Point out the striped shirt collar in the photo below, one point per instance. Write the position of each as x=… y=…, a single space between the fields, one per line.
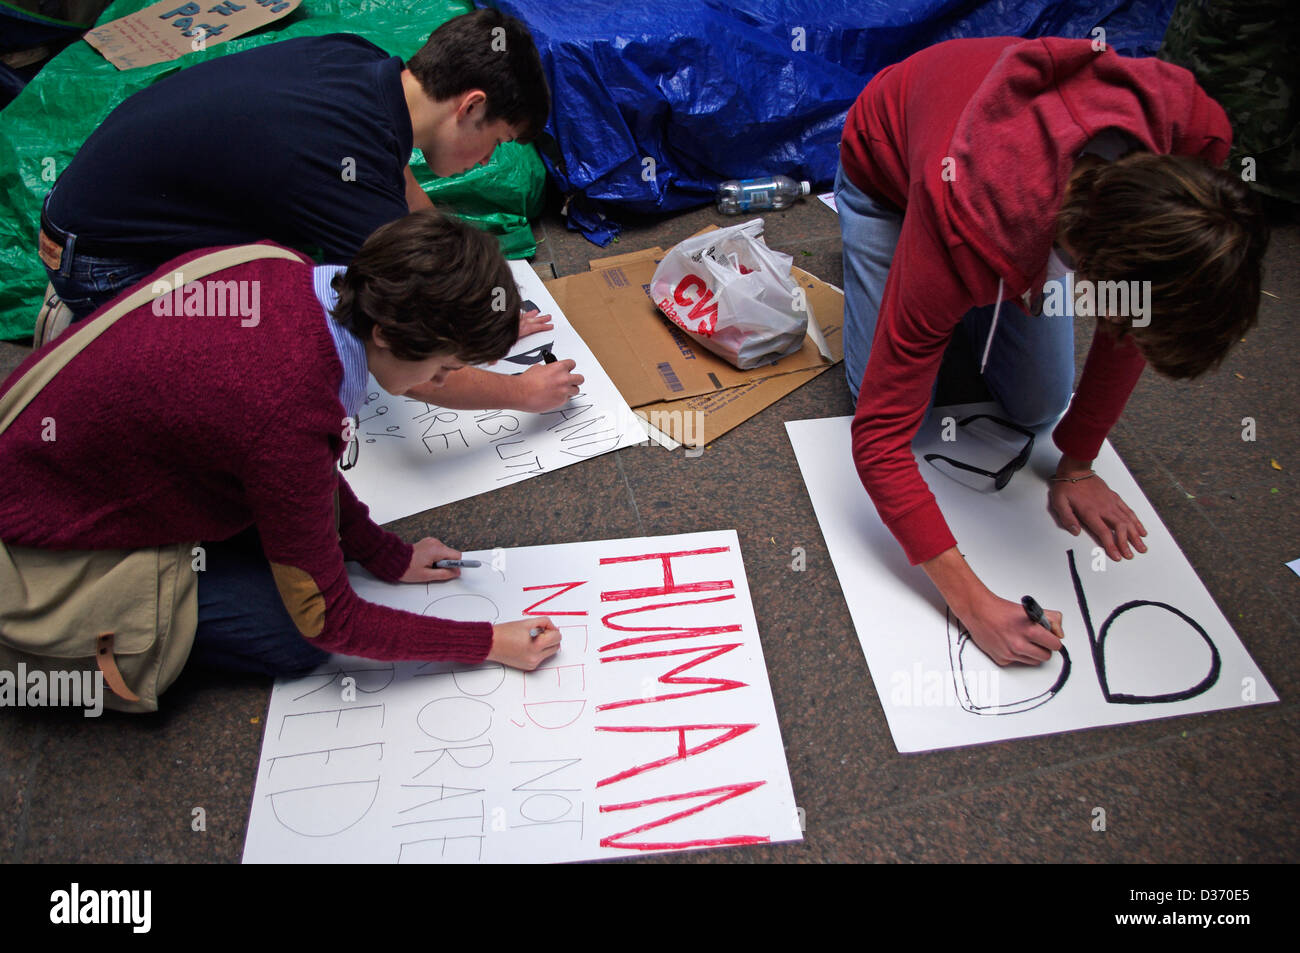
x=352 y=353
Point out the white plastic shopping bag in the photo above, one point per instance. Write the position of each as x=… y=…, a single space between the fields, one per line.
x=734 y=295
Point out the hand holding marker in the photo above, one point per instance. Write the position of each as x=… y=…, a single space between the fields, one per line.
x=1035 y=612
x=525 y=643
x=1039 y=615
x=475 y=564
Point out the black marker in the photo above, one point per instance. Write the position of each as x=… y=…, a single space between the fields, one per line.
x=457 y=563
x=548 y=357
x=1035 y=612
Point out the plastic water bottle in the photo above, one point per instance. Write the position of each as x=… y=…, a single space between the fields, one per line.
x=770 y=191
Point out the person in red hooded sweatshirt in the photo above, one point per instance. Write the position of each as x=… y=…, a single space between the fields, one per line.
x=979 y=180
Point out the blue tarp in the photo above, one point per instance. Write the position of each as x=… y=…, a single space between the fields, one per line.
x=709 y=90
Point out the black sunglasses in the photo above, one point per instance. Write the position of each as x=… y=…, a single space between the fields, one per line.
x=352 y=449
x=1000 y=477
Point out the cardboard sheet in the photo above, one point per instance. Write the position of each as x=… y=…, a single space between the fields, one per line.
x=684 y=390
x=174 y=28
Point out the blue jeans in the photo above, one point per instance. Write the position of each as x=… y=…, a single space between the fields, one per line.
x=92 y=282
x=1030 y=370
x=84 y=282
x=243 y=624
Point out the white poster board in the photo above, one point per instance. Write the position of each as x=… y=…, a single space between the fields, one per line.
x=651 y=730
x=414 y=456
x=1159 y=644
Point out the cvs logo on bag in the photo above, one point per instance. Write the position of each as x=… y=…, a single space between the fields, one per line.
x=703 y=314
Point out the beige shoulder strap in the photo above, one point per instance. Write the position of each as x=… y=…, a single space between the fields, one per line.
x=16 y=399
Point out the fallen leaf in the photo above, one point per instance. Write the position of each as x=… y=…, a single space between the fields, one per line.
x=1276 y=465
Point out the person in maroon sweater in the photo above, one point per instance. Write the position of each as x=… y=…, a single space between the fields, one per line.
x=229 y=429
x=974 y=176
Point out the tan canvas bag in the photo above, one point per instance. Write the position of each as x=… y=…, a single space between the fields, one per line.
x=128 y=613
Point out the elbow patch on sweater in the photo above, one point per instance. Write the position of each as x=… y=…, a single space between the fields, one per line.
x=305 y=602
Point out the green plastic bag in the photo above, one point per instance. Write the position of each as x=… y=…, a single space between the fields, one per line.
x=42 y=129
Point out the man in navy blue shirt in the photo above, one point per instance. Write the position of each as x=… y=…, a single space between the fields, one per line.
x=307 y=142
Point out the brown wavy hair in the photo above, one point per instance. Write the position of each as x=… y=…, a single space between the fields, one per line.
x=434 y=285
x=1196 y=233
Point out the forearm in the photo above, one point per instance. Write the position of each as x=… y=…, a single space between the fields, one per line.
x=1110 y=374
x=381 y=552
x=471 y=388
x=955 y=580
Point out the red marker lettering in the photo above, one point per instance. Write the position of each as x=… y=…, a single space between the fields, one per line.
x=683 y=752
x=670 y=587
x=663 y=632
x=563 y=587
x=670 y=678
x=731 y=791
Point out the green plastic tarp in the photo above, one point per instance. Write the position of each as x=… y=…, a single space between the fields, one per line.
x=41 y=130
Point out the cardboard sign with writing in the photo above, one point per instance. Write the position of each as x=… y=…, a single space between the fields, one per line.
x=173 y=28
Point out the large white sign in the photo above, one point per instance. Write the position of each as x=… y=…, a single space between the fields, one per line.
x=414 y=456
x=1143 y=637
x=651 y=730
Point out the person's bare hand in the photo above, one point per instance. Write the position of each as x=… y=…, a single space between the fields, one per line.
x=533 y=322
x=427 y=552
x=548 y=386
x=1006 y=634
x=514 y=645
x=1094 y=506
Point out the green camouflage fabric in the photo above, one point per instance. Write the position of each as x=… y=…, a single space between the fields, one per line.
x=1246 y=54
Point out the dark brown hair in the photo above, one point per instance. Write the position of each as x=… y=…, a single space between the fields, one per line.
x=433 y=285
x=491 y=51
x=1196 y=233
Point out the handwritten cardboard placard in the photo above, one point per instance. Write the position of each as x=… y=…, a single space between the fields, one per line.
x=652 y=730
x=173 y=28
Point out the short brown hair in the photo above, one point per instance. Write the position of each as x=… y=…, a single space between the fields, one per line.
x=433 y=285
x=1196 y=233
x=491 y=51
